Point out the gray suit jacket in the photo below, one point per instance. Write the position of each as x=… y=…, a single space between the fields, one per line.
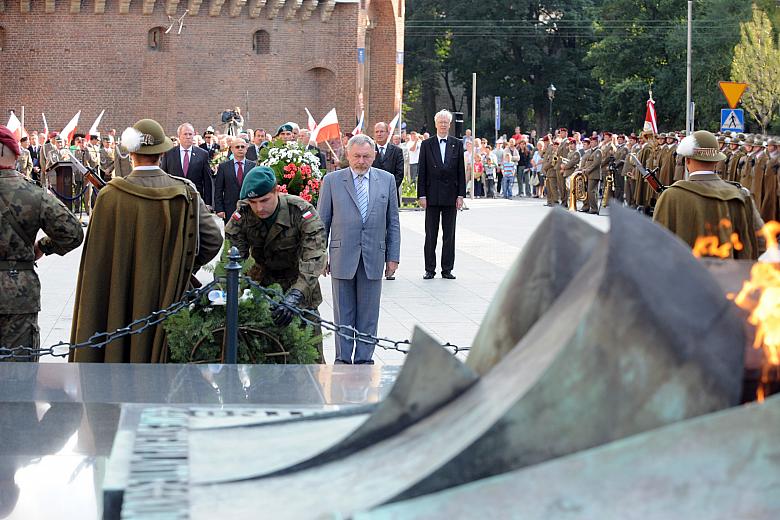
x=378 y=240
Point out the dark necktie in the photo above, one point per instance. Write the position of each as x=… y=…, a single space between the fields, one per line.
x=381 y=153
x=186 y=166
x=240 y=173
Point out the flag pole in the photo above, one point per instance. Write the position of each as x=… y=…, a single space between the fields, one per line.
x=473 y=129
x=688 y=120
x=22 y=130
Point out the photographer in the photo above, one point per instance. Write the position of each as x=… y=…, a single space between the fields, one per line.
x=234 y=121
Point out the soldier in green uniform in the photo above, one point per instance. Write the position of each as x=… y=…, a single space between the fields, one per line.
x=591 y=167
x=24 y=209
x=24 y=164
x=286 y=238
x=107 y=158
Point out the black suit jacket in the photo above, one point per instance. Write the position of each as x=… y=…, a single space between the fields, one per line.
x=226 y=188
x=319 y=153
x=393 y=162
x=35 y=155
x=212 y=151
x=199 y=172
x=251 y=152
x=441 y=183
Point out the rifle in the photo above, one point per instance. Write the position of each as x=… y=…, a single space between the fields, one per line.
x=90 y=175
x=649 y=175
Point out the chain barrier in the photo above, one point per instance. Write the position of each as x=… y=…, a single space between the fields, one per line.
x=311 y=317
x=101 y=339
x=193 y=296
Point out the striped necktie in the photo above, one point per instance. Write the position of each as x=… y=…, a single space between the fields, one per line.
x=362 y=196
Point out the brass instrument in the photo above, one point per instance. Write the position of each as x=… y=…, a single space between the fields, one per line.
x=609 y=183
x=578 y=191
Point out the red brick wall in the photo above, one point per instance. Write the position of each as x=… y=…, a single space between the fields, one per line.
x=60 y=63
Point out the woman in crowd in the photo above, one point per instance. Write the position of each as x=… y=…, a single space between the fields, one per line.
x=536 y=166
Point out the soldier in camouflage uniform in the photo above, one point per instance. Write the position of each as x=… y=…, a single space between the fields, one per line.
x=286 y=238
x=107 y=158
x=24 y=209
x=24 y=163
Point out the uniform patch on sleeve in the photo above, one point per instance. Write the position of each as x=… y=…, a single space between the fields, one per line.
x=307 y=215
x=236 y=216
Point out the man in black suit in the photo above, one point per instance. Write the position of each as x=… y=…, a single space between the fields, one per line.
x=209 y=143
x=441 y=187
x=253 y=152
x=389 y=157
x=230 y=177
x=190 y=162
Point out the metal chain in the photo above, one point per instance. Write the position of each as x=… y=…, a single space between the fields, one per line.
x=101 y=339
x=350 y=333
x=274 y=297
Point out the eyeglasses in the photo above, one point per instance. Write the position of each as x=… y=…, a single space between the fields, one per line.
x=239 y=146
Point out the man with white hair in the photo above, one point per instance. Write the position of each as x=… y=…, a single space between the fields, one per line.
x=441 y=187
x=703 y=204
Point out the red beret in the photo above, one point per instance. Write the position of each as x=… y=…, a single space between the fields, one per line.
x=563 y=129
x=52 y=135
x=546 y=138
x=8 y=139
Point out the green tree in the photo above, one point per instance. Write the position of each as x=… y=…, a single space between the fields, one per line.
x=757 y=63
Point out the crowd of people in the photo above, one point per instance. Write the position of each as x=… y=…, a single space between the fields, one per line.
x=167 y=192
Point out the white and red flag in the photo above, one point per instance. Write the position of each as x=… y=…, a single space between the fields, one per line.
x=327 y=129
x=15 y=126
x=359 y=128
x=650 y=120
x=395 y=122
x=70 y=129
x=311 y=123
x=93 y=130
x=45 y=125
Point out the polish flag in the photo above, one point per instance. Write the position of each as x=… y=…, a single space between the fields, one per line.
x=15 y=126
x=327 y=129
x=93 y=130
x=311 y=123
x=70 y=129
x=395 y=122
x=359 y=128
x=45 y=125
x=650 y=121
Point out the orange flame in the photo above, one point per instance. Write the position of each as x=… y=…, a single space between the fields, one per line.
x=761 y=297
x=709 y=245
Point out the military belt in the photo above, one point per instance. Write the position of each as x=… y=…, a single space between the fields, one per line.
x=13 y=265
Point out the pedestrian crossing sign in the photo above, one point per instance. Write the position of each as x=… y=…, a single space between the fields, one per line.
x=732 y=119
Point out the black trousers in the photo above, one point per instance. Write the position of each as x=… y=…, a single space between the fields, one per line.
x=445 y=214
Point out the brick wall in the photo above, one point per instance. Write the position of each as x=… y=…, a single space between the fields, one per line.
x=62 y=62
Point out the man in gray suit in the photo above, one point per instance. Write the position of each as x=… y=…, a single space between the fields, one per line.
x=359 y=209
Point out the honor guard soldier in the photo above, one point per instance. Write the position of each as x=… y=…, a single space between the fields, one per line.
x=591 y=168
x=697 y=206
x=24 y=163
x=107 y=158
x=24 y=209
x=286 y=238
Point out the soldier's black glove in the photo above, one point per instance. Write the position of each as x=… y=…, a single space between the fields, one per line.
x=282 y=315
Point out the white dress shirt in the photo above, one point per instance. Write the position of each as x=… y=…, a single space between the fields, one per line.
x=442 y=146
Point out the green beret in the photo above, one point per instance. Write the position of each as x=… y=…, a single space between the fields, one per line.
x=258 y=182
x=284 y=128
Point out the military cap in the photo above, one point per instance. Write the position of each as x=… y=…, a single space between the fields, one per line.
x=621 y=136
x=287 y=127
x=258 y=182
x=58 y=138
x=52 y=135
x=563 y=129
x=546 y=138
x=701 y=146
x=349 y=135
x=772 y=142
x=633 y=136
x=208 y=131
x=586 y=139
x=8 y=139
x=106 y=138
x=661 y=136
x=146 y=137
x=721 y=138
x=94 y=136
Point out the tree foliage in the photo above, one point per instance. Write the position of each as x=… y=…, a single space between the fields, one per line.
x=602 y=55
x=757 y=62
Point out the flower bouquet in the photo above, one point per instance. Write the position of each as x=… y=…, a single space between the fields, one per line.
x=297 y=170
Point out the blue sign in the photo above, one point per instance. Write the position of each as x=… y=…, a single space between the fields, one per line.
x=732 y=119
x=361 y=55
x=498 y=113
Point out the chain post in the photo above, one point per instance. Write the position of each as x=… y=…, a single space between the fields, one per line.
x=233 y=270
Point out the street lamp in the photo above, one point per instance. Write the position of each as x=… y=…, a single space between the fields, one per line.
x=551 y=95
